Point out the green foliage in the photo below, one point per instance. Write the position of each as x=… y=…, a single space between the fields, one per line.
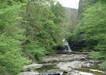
x=93 y=26
x=44 y=24
x=104 y=65
x=92 y=30
x=11 y=59
x=35 y=50
x=43 y=27
x=76 y=40
x=58 y=12
x=97 y=55
x=28 y=28
x=11 y=38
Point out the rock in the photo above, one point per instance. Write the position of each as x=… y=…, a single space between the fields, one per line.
x=65 y=66
x=92 y=61
x=97 y=71
x=63 y=57
x=34 y=65
x=74 y=72
x=68 y=66
x=62 y=64
x=53 y=72
x=29 y=73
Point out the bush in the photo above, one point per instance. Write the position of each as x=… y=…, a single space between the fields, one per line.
x=35 y=51
x=103 y=66
x=11 y=59
x=97 y=55
x=76 y=41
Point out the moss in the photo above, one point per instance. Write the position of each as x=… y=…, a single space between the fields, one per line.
x=29 y=69
x=64 y=73
x=95 y=67
x=45 y=68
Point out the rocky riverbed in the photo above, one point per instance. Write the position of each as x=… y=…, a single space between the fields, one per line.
x=64 y=64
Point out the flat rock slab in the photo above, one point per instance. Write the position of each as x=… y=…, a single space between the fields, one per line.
x=79 y=73
x=68 y=66
x=94 y=70
x=52 y=72
x=63 y=57
x=29 y=73
x=34 y=65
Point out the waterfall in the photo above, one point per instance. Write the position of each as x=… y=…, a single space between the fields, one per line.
x=67 y=47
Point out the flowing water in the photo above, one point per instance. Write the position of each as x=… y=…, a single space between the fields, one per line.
x=67 y=46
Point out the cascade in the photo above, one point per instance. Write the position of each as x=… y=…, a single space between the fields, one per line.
x=67 y=47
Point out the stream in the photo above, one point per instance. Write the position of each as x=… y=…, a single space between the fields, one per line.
x=64 y=64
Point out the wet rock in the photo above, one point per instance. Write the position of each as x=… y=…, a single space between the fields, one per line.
x=68 y=66
x=53 y=72
x=74 y=72
x=29 y=73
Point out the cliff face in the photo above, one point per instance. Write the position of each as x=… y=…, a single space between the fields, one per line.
x=71 y=14
x=71 y=17
x=81 y=6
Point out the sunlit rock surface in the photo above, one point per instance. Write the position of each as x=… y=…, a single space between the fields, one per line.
x=34 y=65
x=63 y=57
x=68 y=66
x=53 y=72
x=29 y=73
x=63 y=64
x=94 y=70
x=79 y=73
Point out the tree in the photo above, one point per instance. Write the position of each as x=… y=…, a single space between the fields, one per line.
x=92 y=28
x=43 y=26
x=11 y=38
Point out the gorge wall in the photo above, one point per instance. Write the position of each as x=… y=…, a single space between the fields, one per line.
x=71 y=17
